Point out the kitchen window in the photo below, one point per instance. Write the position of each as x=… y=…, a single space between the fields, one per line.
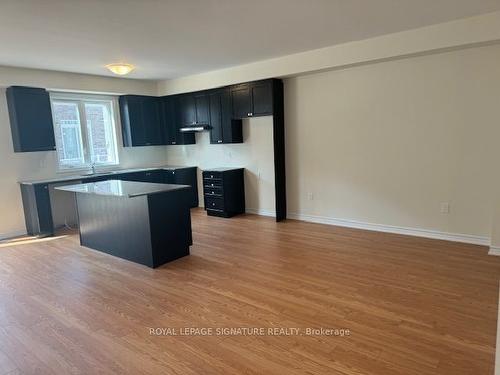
x=84 y=128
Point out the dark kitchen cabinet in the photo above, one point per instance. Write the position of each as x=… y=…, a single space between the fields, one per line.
x=37 y=209
x=224 y=192
x=215 y=103
x=30 y=119
x=202 y=115
x=252 y=99
x=187 y=110
x=172 y=135
x=154 y=176
x=241 y=99
x=184 y=176
x=174 y=175
x=193 y=109
x=262 y=98
x=224 y=129
x=152 y=121
x=141 y=121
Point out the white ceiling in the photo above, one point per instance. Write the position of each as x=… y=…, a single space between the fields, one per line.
x=172 y=38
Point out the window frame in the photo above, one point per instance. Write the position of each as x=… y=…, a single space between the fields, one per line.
x=81 y=99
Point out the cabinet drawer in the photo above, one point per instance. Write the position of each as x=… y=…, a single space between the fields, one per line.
x=213 y=191
x=208 y=175
x=212 y=203
x=208 y=183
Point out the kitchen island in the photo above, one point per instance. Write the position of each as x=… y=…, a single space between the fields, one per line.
x=146 y=223
x=41 y=207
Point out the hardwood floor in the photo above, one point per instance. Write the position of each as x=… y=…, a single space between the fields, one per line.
x=412 y=305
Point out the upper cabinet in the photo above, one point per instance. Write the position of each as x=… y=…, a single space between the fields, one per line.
x=141 y=121
x=170 y=124
x=193 y=109
x=201 y=102
x=224 y=129
x=30 y=119
x=252 y=99
x=148 y=120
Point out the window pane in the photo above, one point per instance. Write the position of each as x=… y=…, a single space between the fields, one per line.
x=100 y=132
x=68 y=133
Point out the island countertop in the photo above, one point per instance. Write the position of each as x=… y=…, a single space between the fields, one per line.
x=118 y=188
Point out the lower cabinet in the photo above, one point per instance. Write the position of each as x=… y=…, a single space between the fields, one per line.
x=224 y=192
x=37 y=209
x=155 y=176
x=184 y=176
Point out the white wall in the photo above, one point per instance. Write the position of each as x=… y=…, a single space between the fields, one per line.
x=387 y=143
x=255 y=155
x=27 y=166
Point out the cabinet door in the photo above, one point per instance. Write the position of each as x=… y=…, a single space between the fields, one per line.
x=151 y=120
x=155 y=176
x=202 y=115
x=169 y=177
x=188 y=176
x=44 y=209
x=30 y=119
x=241 y=99
x=131 y=114
x=168 y=117
x=133 y=176
x=216 y=135
x=187 y=110
x=231 y=128
x=262 y=98
x=141 y=122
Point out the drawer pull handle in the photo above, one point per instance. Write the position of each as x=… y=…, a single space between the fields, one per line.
x=250 y=114
x=212 y=185
x=211 y=176
x=213 y=204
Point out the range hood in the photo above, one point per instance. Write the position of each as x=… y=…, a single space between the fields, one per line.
x=195 y=128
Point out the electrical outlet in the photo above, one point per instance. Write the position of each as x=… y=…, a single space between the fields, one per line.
x=445 y=208
x=310 y=196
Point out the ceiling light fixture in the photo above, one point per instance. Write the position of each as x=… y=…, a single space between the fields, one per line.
x=120 y=68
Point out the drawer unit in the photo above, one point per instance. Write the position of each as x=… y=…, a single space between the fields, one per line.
x=224 y=191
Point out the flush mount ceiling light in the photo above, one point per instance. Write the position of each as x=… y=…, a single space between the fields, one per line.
x=120 y=68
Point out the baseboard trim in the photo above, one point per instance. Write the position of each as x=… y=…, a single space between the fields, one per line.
x=417 y=232
x=256 y=211
x=494 y=250
x=8 y=235
x=497 y=347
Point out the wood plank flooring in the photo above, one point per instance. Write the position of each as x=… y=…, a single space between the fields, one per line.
x=412 y=305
